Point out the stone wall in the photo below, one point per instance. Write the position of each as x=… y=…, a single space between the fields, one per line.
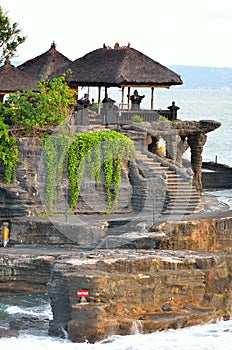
x=207 y=234
x=216 y=180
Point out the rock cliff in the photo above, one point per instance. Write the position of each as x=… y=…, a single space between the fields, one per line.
x=155 y=290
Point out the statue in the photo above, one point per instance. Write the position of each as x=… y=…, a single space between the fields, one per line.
x=107 y=99
x=136 y=100
x=83 y=102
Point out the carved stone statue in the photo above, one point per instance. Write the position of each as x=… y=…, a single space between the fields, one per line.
x=84 y=101
x=136 y=100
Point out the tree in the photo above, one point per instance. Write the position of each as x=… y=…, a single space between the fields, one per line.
x=32 y=111
x=10 y=37
x=47 y=108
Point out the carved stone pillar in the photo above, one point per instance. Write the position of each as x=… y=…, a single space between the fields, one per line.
x=171 y=146
x=196 y=143
x=182 y=147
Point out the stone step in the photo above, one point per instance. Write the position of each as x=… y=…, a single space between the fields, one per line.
x=183 y=201
x=172 y=184
x=181 y=207
x=160 y=169
x=181 y=212
x=182 y=197
x=148 y=160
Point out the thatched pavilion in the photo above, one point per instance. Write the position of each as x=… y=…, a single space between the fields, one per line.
x=119 y=67
x=12 y=79
x=45 y=64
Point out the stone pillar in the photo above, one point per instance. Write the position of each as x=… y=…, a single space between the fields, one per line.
x=196 y=143
x=171 y=146
x=182 y=147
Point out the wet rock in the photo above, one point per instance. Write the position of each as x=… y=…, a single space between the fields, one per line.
x=6 y=333
x=21 y=323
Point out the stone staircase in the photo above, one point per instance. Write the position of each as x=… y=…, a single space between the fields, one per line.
x=181 y=196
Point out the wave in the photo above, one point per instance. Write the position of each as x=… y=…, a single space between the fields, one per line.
x=215 y=336
x=35 y=311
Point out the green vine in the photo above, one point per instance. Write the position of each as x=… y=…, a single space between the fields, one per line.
x=50 y=106
x=95 y=153
x=8 y=153
x=55 y=153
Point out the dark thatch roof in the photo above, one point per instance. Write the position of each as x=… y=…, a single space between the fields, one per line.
x=119 y=67
x=12 y=79
x=42 y=66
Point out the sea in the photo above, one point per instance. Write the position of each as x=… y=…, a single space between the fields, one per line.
x=194 y=104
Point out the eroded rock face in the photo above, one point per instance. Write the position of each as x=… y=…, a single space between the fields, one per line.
x=158 y=290
x=24 y=274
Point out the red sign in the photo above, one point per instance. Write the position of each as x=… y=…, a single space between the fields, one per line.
x=83 y=293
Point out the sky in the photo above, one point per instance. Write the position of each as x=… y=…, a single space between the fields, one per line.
x=172 y=32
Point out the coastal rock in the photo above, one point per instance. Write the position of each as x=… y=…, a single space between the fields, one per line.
x=23 y=323
x=158 y=289
x=6 y=333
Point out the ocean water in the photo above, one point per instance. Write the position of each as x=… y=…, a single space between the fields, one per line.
x=194 y=105
x=201 y=105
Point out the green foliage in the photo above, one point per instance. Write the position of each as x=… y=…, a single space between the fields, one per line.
x=95 y=152
x=55 y=151
x=10 y=37
x=48 y=107
x=8 y=152
x=95 y=105
x=161 y=117
x=137 y=118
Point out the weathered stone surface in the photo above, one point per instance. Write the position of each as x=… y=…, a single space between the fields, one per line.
x=212 y=233
x=166 y=289
x=23 y=323
x=185 y=280
x=58 y=231
x=207 y=235
x=24 y=274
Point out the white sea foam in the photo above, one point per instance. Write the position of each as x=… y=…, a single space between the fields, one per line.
x=216 y=336
x=32 y=311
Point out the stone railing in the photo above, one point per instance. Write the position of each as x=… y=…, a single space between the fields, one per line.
x=110 y=114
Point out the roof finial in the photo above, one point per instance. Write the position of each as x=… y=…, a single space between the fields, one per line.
x=53 y=45
x=116 y=45
x=7 y=61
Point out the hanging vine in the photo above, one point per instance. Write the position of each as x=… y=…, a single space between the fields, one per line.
x=92 y=152
x=55 y=155
x=8 y=152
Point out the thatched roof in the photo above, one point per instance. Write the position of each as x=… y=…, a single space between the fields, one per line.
x=12 y=79
x=42 y=66
x=119 y=67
